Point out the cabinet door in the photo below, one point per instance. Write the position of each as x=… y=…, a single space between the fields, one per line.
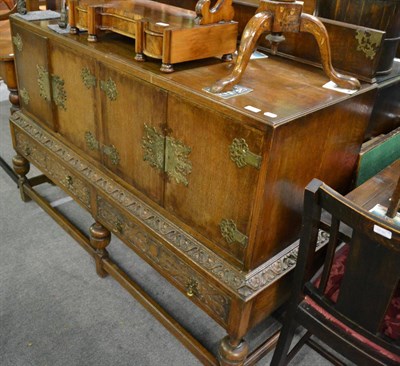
x=31 y=55
x=76 y=83
x=219 y=194
x=129 y=106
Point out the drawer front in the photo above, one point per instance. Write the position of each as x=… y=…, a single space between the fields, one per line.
x=42 y=159
x=34 y=78
x=197 y=288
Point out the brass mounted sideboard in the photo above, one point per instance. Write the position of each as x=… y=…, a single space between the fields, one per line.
x=206 y=190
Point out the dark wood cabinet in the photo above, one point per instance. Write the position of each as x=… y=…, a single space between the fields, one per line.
x=207 y=190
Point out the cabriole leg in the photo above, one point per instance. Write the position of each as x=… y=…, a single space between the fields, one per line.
x=99 y=239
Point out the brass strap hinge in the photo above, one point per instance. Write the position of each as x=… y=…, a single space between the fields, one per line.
x=110 y=151
x=51 y=87
x=231 y=233
x=167 y=154
x=242 y=156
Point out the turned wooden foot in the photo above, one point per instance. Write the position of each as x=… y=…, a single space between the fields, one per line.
x=99 y=239
x=232 y=352
x=21 y=167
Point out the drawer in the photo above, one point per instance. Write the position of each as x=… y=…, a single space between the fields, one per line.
x=196 y=287
x=65 y=178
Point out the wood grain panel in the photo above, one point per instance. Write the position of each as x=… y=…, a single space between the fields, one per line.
x=137 y=103
x=217 y=188
x=33 y=54
x=80 y=113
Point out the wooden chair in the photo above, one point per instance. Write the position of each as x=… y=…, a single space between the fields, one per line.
x=352 y=312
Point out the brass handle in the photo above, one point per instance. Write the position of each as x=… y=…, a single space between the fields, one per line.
x=69 y=181
x=27 y=151
x=118 y=227
x=191 y=287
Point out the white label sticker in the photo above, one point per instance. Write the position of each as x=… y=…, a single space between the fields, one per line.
x=332 y=86
x=162 y=24
x=269 y=114
x=252 y=109
x=381 y=231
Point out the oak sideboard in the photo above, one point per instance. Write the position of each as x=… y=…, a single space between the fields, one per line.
x=205 y=189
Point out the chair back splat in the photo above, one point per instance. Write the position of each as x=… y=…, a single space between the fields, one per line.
x=353 y=303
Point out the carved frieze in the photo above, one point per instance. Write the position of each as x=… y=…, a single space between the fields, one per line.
x=179 y=272
x=53 y=169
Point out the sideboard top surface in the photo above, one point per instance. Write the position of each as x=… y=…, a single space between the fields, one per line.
x=281 y=87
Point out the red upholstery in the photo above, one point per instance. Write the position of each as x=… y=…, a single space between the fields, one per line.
x=391 y=326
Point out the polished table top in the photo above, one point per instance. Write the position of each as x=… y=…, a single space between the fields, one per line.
x=378 y=189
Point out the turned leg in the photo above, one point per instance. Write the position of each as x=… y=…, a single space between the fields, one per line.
x=21 y=167
x=232 y=352
x=257 y=25
x=99 y=239
x=166 y=68
x=93 y=22
x=314 y=26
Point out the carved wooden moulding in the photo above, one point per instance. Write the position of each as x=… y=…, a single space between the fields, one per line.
x=161 y=31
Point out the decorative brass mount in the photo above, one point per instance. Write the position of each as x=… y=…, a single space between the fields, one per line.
x=167 y=154
x=242 y=156
x=278 y=17
x=51 y=87
x=231 y=233
x=17 y=40
x=110 y=151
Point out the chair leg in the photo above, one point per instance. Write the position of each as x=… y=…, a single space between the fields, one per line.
x=285 y=339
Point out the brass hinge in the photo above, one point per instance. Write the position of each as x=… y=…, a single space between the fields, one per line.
x=17 y=40
x=242 y=156
x=56 y=92
x=110 y=151
x=167 y=154
x=231 y=233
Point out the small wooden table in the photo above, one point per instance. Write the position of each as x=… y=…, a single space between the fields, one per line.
x=377 y=189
